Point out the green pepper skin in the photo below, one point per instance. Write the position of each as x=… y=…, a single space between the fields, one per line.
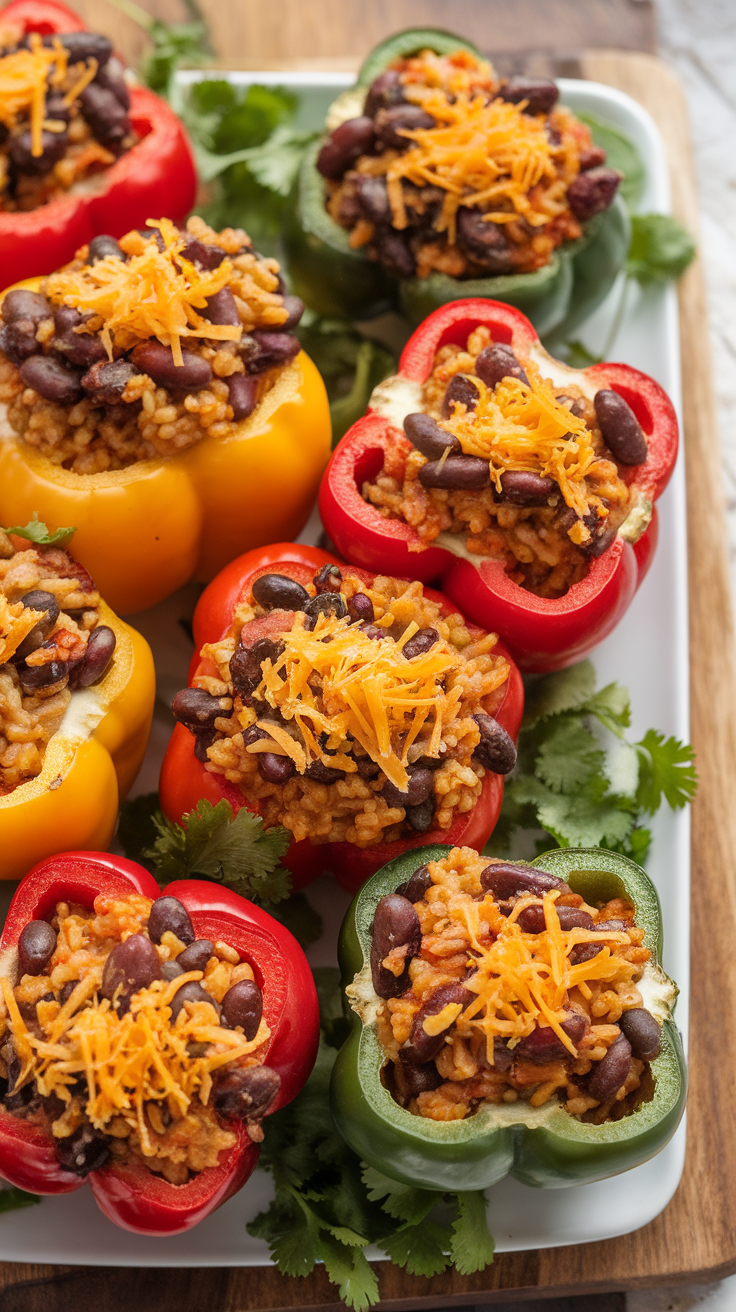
x=337 y=281
x=545 y=1146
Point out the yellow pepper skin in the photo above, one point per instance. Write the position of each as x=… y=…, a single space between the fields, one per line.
x=144 y=531
x=88 y=766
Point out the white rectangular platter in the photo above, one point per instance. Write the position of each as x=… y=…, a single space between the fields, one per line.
x=648 y=653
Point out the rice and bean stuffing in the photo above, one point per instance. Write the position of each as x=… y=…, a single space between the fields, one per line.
x=350 y=711
x=130 y=1041
x=142 y=347
x=522 y=471
x=499 y=984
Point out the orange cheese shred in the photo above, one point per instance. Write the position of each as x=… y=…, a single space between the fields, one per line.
x=24 y=79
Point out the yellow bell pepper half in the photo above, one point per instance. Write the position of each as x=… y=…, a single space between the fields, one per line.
x=144 y=531
x=89 y=765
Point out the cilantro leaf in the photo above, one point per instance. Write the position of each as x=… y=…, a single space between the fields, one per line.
x=569 y=756
x=472 y=1246
x=137 y=828
x=667 y=768
x=12 y=1198
x=402 y=1201
x=578 y=356
x=422 y=1250
x=660 y=250
x=351 y=366
x=37 y=532
x=331 y=1016
x=612 y=706
x=565 y=690
x=298 y=915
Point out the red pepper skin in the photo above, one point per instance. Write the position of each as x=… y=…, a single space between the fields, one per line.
x=156 y=177
x=541 y=634
x=185 y=780
x=131 y=1196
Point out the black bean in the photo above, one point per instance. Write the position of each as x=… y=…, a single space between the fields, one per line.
x=243 y=1005
x=55 y=108
x=83 y=349
x=221 y=308
x=586 y=951
x=191 y=992
x=102 y=247
x=418 y=1079
x=620 y=427
x=461 y=391
x=324 y=774
x=84 y=1151
x=611 y=1071
x=51 y=379
x=415 y=887
x=503 y=879
x=67 y=990
x=429 y=437
x=279 y=592
x=97 y=657
x=394 y=253
x=85 y=45
x=53 y=148
x=497 y=362
x=457 y=472
x=243 y=395
x=105 y=115
x=107 y=380
x=168 y=913
x=246 y=1094
x=523 y=488
x=421 y=817
x=246 y=662
x=591 y=158
x=170 y=970
x=42 y=601
x=386 y=89
x=423 y=1047
x=420 y=787
x=541 y=92
x=371 y=196
x=22 y=304
x=35 y=947
x=360 y=608
x=275 y=769
x=391 y=123
x=328 y=578
x=347 y=143
x=503 y=1057
x=196 y=956
x=592 y=192
x=395 y=925
x=295 y=307
x=35 y=677
x=532 y=921
x=326 y=603
x=642 y=1032
x=111 y=78
x=207 y=257
x=157 y=360
x=18 y=340
x=197 y=709
x=268 y=349
x=422 y=642
x=543 y=1045
x=495 y=750
x=131 y=966
x=485 y=241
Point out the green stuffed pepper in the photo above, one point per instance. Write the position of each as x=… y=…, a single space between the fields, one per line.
x=507 y=1019
x=437 y=181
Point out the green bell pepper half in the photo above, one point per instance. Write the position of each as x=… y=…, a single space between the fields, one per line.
x=337 y=281
x=542 y=1146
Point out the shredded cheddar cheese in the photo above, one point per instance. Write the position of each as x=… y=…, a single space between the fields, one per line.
x=16 y=622
x=25 y=77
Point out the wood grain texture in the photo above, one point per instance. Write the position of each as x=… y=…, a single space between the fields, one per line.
x=695 y=1238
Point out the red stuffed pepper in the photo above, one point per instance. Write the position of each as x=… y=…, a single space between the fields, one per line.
x=145 y=1037
x=522 y=487
x=86 y=153
x=362 y=713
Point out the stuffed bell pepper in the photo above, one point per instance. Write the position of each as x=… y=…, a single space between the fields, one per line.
x=77 y=687
x=83 y=148
x=438 y=179
x=153 y=394
x=362 y=713
x=144 y=1038
x=523 y=487
x=507 y=1019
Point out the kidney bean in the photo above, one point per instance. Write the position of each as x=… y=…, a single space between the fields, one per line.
x=457 y=472
x=157 y=360
x=243 y=1005
x=84 y=1151
x=423 y=1047
x=83 y=349
x=532 y=921
x=591 y=158
x=191 y=992
x=83 y=46
x=462 y=391
x=642 y=1032
x=246 y=1095
x=422 y=642
x=392 y=122
x=324 y=774
x=105 y=115
x=221 y=308
x=485 y=241
x=543 y=1045
x=600 y=542
x=419 y=789
x=35 y=947
x=416 y=886
x=42 y=601
x=523 y=488
x=592 y=192
x=53 y=148
x=395 y=925
x=328 y=578
x=497 y=362
x=168 y=913
x=620 y=427
x=56 y=109
x=418 y=1079
x=131 y=966
x=394 y=253
x=611 y=1071
x=107 y=380
x=385 y=90
x=207 y=257
x=246 y=662
x=102 y=248
x=275 y=769
x=22 y=304
x=295 y=307
x=326 y=603
x=18 y=340
x=67 y=990
x=111 y=78
x=496 y=750
x=504 y=879
x=97 y=657
x=421 y=817
x=51 y=379
x=35 y=677
x=371 y=198
x=429 y=437
x=170 y=970
x=347 y=143
x=197 y=709
x=243 y=395
x=541 y=92
x=265 y=349
x=360 y=607
x=503 y=1057
x=586 y=951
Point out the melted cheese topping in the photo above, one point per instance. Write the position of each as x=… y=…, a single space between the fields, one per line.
x=16 y=622
x=157 y=293
x=24 y=79
x=368 y=689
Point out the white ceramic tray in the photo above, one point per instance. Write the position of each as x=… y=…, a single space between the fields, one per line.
x=648 y=653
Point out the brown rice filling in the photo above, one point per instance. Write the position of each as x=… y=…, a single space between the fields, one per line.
x=131 y=1073
x=142 y=347
x=359 y=714
x=500 y=998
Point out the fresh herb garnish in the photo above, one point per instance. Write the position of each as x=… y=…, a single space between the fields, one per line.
x=37 y=532
x=351 y=366
x=579 y=780
x=11 y=1198
x=661 y=249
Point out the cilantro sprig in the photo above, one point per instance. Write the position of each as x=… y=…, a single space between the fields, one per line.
x=579 y=780
x=35 y=531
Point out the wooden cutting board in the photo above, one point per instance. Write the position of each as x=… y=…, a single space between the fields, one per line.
x=695 y=1237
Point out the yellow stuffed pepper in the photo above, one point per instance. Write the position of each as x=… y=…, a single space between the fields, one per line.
x=153 y=393
x=77 y=687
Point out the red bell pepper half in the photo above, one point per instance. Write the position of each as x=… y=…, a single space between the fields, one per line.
x=542 y=634
x=132 y=1196
x=185 y=780
x=156 y=177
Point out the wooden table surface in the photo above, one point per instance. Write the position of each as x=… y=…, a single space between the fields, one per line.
x=695 y=1237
